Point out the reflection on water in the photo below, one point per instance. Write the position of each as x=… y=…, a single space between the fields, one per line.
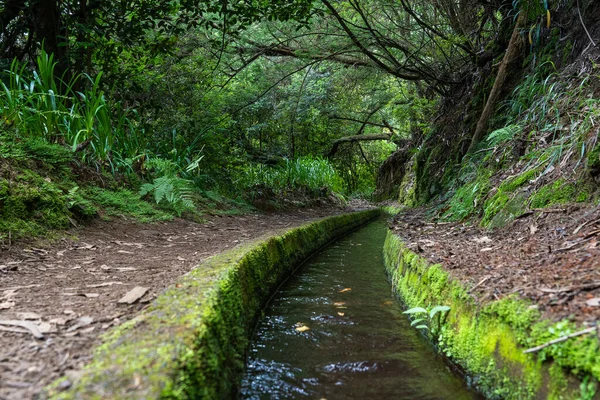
x=335 y=331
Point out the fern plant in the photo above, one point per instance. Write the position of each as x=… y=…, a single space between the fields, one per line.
x=503 y=135
x=169 y=188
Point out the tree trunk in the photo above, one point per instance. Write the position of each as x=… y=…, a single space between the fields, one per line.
x=514 y=47
x=50 y=29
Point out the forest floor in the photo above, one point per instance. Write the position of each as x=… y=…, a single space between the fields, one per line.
x=67 y=292
x=549 y=256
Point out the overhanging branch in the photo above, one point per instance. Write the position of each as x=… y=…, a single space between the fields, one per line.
x=355 y=138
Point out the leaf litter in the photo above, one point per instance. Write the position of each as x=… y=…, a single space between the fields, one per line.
x=96 y=275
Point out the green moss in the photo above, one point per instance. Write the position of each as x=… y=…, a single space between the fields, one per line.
x=30 y=205
x=468 y=198
x=125 y=203
x=507 y=204
x=500 y=214
x=488 y=341
x=190 y=343
x=558 y=192
x=406 y=190
x=593 y=160
x=512 y=184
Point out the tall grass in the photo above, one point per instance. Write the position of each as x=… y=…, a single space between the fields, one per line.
x=310 y=172
x=561 y=117
x=39 y=104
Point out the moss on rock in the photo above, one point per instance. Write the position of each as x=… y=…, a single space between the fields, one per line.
x=487 y=341
x=190 y=343
x=558 y=192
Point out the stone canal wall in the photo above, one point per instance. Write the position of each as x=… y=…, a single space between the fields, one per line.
x=190 y=342
x=487 y=342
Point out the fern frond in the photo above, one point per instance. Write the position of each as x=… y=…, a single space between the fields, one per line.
x=503 y=135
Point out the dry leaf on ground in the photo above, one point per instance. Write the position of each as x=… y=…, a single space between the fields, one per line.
x=133 y=295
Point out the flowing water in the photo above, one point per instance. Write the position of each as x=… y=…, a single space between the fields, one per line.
x=335 y=331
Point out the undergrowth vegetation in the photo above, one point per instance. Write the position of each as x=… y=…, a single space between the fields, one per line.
x=313 y=173
x=546 y=154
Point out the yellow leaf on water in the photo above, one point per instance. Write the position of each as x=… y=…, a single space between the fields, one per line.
x=387 y=303
x=341 y=314
x=302 y=328
x=339 y=303
x=345 y=290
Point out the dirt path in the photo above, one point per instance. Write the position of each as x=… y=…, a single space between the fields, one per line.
x=551 y=257
x=70 y=290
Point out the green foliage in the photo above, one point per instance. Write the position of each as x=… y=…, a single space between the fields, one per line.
x=558 y=192
x=168 y=187
x=311 y=172
x=39 y=105
x=503 y=135
x=124 y=203
x=425 y=318
x=34 y=186
x=469 y=198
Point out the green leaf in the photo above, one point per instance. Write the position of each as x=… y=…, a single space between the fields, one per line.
x=416 y=321
x=415 y=310
x=438 y=309
x=425 y=327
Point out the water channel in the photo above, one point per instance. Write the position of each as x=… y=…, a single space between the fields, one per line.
x=336 y=331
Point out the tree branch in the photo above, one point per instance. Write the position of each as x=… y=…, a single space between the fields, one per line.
x=355 y=138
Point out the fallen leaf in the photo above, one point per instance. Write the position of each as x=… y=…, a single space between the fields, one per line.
x=15 y=288
x=339 y=303
x=532 y=229
x=387 y=303
x=81 y=323
x=84 y=246
x=14 y=330
x=133 y=295
x=99 y=285
x=345 y=290
x=427 y=242
x=341 y=314
x=483 y=239
x=595 y=302
x=87 y=330
x=302 y=328
x=28 y=315
x=45 y=327
x=6 y=305
x=30 y=326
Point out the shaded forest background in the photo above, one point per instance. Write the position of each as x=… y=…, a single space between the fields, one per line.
x=476 y=105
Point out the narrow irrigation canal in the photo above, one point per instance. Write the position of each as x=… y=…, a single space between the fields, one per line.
x=335 y=331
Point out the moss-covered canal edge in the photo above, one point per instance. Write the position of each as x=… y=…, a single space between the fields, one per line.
x=190 y=343
x=487 y=342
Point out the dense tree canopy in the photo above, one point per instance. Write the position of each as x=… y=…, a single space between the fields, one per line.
x=252 y=82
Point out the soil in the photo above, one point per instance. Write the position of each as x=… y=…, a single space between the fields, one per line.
x=69 y=289
x=550 y=257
